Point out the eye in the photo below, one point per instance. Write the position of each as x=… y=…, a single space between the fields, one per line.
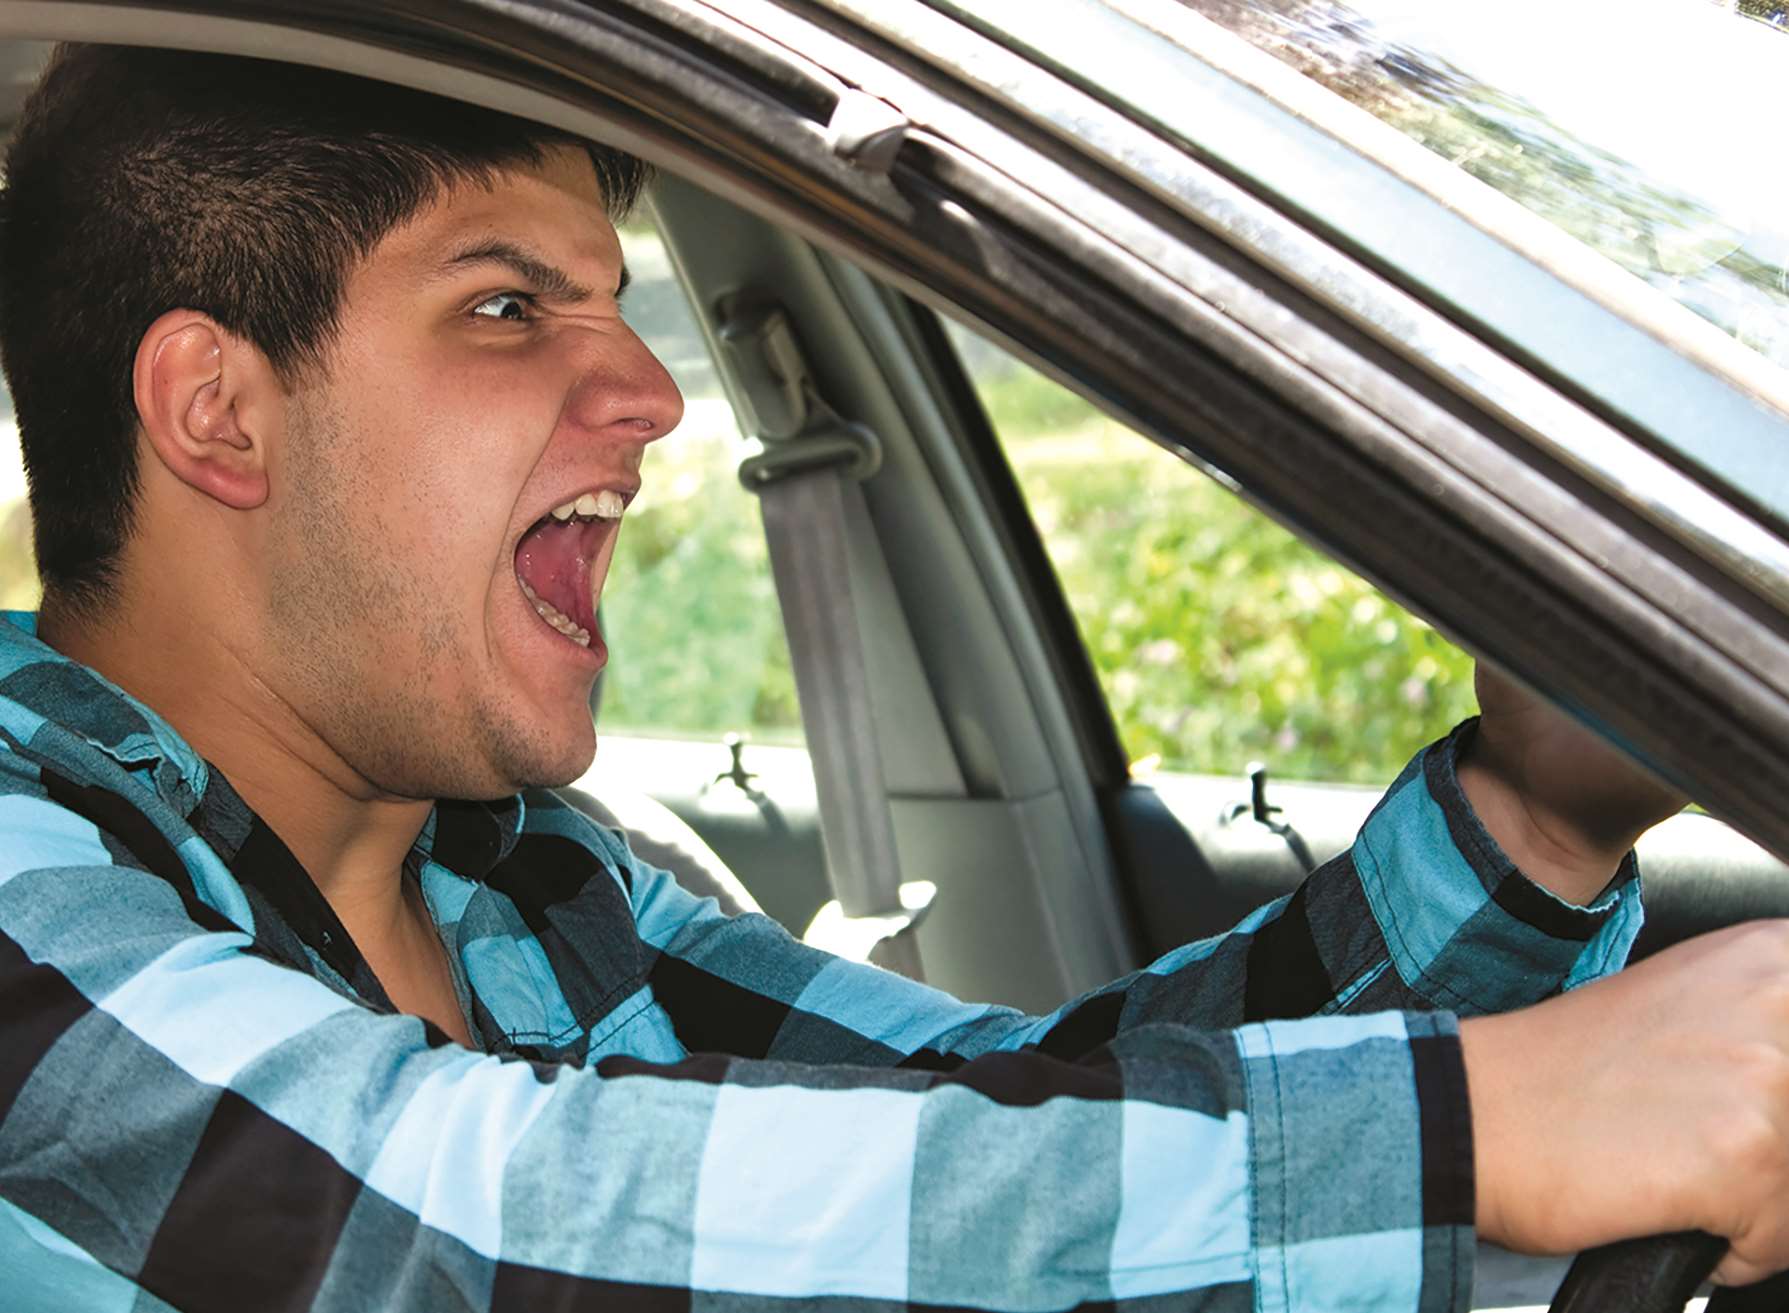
x=517 y=306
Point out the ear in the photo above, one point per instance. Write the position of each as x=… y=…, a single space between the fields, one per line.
x=207 y=401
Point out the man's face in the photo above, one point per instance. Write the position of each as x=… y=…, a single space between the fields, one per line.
x=432 y=621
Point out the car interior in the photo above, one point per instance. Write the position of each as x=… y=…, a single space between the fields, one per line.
x=1057 y=856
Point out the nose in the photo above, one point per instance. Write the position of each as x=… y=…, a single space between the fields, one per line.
x=622 y=390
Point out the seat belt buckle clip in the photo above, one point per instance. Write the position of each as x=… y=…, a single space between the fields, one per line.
x=856 y=937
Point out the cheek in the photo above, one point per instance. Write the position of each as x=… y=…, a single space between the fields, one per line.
x=459 y=439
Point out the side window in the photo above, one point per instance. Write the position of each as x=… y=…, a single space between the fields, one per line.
x=1219 y=638
x=690 y=611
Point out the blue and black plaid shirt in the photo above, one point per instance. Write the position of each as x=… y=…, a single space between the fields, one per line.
x=208 y=1103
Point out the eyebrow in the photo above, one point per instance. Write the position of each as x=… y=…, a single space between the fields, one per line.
x=548 y=280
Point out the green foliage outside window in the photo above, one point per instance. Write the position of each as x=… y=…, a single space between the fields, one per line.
x=1218 y=636
x=690 y=612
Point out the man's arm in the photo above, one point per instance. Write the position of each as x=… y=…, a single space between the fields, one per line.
x=1655 y=1101
x=1562 y=803
x=1647 y=1103
x=1425 y=912
x=180 y=1115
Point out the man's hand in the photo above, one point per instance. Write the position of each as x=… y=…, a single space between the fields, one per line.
x=1564 y=805
x=1655 y=1100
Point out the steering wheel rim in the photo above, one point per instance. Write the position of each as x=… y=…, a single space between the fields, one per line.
x=1655 y=1274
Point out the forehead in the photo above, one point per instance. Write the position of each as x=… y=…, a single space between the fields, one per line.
x=554 y=207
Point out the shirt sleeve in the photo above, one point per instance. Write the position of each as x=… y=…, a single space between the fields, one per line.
x=1423 y=913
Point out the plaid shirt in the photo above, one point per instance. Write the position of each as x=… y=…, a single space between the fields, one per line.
x=208 y=1103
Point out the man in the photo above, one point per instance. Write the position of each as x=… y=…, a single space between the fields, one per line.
x=329 y=416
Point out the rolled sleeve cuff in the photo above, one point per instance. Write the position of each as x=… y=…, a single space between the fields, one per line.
x=1361 y=1157
x=1464 y=927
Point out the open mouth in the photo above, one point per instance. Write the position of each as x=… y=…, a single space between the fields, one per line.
x=554 y=559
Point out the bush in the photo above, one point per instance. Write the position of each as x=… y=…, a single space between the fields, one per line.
x=1220 y=638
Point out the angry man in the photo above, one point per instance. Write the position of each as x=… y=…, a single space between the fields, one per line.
x=312 y=997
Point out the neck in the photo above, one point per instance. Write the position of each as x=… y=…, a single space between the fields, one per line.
x=349 y=836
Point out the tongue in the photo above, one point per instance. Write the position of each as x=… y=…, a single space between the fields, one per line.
x=554 y=560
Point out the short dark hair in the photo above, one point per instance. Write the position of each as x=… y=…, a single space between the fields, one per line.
x=141 y=181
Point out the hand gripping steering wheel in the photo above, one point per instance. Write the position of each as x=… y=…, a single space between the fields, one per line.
x=1658 y=1274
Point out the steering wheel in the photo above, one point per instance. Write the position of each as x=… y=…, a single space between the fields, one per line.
x=1658 y=1274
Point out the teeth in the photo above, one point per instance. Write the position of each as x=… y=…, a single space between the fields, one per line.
x=555 y=617
x=604 y=505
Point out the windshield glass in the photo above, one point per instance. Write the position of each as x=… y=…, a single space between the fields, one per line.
x=1648 y=131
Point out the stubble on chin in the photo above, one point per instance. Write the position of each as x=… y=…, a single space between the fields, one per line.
x=530 y=758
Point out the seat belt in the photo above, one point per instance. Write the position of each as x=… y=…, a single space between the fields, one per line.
x=807 y=481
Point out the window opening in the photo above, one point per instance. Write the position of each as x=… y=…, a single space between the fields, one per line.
x=1219 y=638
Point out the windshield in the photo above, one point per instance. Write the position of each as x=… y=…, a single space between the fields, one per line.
x=1649 y=132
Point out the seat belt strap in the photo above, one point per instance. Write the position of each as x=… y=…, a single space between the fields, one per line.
x=807 y=479
x=807 y=518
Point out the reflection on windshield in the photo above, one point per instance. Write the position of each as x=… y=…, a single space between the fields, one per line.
x=1651 y=132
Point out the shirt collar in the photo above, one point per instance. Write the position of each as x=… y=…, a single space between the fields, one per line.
x=469 y=838
x=84 y=703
